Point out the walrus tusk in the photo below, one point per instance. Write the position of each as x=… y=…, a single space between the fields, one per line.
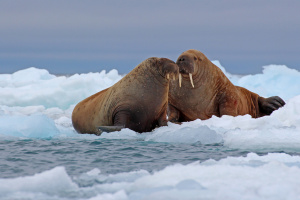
x=180 y=80
x=174 y=77
x=191 y=78
x=168 y=76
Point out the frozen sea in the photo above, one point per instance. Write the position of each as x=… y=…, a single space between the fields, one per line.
x=42 y=157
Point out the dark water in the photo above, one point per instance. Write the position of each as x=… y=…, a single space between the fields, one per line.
x=30 y=156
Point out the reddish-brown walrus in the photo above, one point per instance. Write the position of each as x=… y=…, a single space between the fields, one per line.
x=138 y=101
x=205 y=91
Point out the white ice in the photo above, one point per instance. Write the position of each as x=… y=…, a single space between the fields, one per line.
x=33 y=87
x=273 y=176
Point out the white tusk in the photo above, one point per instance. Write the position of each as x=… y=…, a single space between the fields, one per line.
x=173 y=77
x=191 y=78
x=180 y=80
x=168 y=76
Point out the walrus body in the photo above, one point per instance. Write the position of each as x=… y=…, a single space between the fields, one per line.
x=138 y=101
x=206 y=91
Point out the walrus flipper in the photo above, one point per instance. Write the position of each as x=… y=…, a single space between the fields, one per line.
x=173 y=114
x=109 y=128
x=268 y=105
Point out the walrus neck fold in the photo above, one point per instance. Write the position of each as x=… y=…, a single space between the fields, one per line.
x=204 y=75
x=157 y=75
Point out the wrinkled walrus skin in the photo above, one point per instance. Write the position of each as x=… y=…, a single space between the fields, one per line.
x=138 y=101
x=206 y=91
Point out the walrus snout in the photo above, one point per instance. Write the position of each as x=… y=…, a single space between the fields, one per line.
x=186 y=66
x=171 y=69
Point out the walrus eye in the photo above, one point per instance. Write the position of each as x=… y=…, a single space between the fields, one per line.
x=195 y=58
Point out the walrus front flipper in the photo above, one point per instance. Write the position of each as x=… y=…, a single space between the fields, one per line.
x=173 y=114
x=268 y=105
x=109 y=128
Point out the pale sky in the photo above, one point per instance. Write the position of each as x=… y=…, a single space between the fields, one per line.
x=75 y=36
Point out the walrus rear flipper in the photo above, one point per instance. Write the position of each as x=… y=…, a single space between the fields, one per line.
x=109 y=128
x=268 y=105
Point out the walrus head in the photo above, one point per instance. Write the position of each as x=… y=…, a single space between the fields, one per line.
x=188 y=63
x=167 y=68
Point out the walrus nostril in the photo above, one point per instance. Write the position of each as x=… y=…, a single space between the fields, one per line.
x=182 y=58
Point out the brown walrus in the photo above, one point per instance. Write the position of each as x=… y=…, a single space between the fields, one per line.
x=138 y=101
x=206 y=91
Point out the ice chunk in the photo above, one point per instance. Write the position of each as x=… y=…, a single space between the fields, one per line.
x=35 y=126
x=54 y=181
x=34 y=86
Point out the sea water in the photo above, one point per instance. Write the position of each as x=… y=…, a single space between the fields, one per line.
x=42 y=157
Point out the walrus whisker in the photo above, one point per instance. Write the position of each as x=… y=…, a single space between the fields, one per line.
x=191 y=78
x=180 y=79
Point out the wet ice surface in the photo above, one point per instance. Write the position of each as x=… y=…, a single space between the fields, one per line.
x=42 y=157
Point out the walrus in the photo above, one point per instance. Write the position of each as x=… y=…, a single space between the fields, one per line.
x=204 y=91
x=138 y=101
